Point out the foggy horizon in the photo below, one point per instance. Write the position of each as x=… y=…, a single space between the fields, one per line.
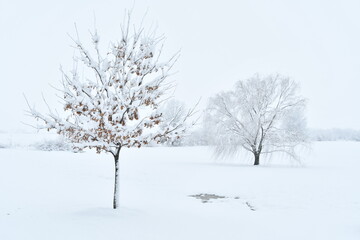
x=314 y=43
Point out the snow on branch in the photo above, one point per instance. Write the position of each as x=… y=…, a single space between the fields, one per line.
x=261 y=115
x=119 y=103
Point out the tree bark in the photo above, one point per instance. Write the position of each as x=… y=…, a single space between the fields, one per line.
x=116 y=185
x=257 y=159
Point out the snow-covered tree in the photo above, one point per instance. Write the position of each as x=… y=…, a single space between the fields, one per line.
x=174 y=112
x=261 y=115
x=116 y=102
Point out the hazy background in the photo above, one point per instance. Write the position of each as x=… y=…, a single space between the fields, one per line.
x=316 y=42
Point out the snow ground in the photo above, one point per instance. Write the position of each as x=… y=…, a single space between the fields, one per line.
x=64 y=195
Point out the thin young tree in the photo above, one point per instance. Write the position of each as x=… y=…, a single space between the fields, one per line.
x=117 y=103
x=261 y=115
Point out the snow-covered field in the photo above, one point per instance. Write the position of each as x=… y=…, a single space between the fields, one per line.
x=64 y=195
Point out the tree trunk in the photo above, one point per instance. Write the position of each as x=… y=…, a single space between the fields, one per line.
x=257 y=159
x=116 y=185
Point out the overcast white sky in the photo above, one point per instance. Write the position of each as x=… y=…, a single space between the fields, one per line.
x=316 y=42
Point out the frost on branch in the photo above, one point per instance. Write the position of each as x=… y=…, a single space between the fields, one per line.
x=261 y=115
x=174 y=112
x=116 y=104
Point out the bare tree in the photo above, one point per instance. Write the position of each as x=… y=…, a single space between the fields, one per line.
x=261 y=115
x=174 y=112
x=115 y=103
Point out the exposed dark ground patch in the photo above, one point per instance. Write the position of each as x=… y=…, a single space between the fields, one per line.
x=251 y=207
x=205 y=197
